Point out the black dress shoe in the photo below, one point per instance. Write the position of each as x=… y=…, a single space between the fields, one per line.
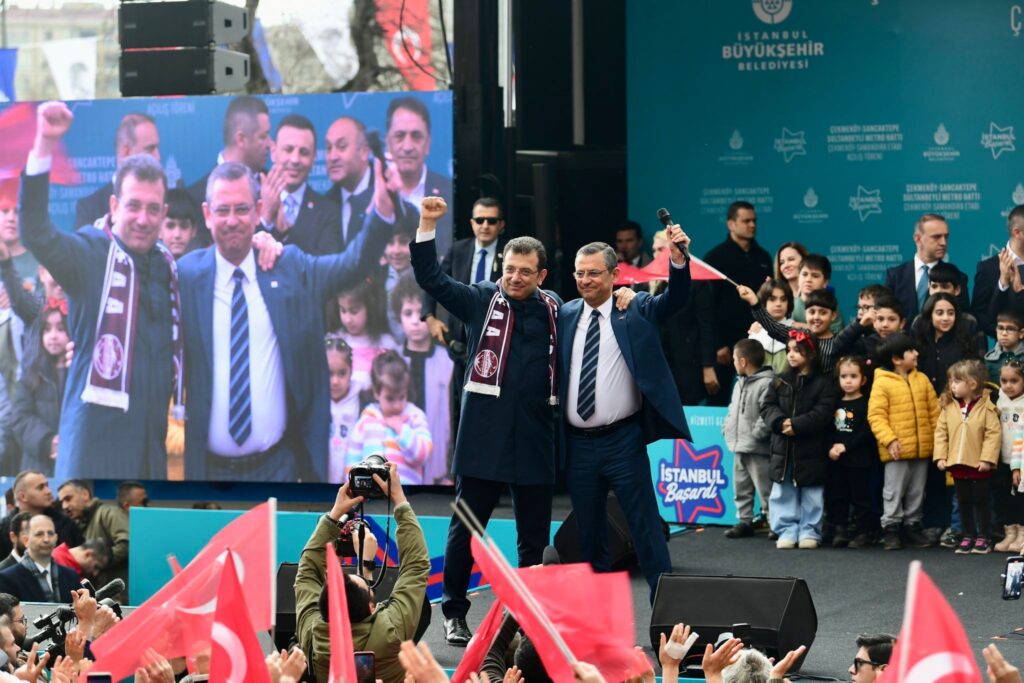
x=456 y=632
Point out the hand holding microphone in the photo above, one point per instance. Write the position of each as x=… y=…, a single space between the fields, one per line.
x=678 y=240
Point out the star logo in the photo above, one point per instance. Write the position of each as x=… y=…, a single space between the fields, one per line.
x=866 y=202
x=772 y=11
x=791 y=144
x=998 y=140
x=692 y=481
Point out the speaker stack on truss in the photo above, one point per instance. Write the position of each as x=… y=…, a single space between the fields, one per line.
x=177 y=47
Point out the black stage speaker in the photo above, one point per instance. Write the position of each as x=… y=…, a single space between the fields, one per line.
x=773 y=615
x=182 y=71
x=180 y=23
x=620 y=542
x=284 y=627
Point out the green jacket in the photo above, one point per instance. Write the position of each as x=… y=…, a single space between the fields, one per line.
x=110 y=523
x=389 y=625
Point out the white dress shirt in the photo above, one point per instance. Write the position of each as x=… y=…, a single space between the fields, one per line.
x=617 y=395
x=415 y=196
x=346 y=206
x=490 y=251
x=918 y=264
x=298 y=196
x=266 y=382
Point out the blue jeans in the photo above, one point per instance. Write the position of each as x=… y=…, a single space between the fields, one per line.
x=795 y=511
x=616 y=461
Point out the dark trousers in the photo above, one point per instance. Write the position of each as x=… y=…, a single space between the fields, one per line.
x=938 y=502
x=617 y=461
x=277 y=464
x=532 y=508
x=1009 y=504
x=848 y=487
x=975 y=510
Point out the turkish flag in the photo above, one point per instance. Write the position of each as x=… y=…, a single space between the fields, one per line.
x=236 y=655
x=932 y=645
x=343 y=660
x=480 y=643
x=591 y=612
x=411 y=45
x=657 y=269
x=178 y=619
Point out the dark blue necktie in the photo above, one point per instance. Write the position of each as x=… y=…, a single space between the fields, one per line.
x=240 y=401
x=481 y=267
x=587 y=397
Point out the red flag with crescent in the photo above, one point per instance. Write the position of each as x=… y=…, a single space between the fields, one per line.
x=178 y=619
x=235 y=655
x=406 y=26
x=657 y=270
x=480 y=643
x=932 y=646
x=343 y=661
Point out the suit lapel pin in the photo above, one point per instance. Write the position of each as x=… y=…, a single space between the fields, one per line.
x=273 y=284
x=309 y=205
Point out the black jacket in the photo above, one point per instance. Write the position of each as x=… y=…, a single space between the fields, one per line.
x=36 y=417
x=900 y=279
x=809 y=401
x=750 y=268
x=19 y=582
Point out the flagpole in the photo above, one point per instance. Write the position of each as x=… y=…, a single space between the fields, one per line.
x=908 y=614
x=272 y=503
x=488 y=545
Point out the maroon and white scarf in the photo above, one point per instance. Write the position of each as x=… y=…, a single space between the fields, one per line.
x=110 y=372
x=488 y=369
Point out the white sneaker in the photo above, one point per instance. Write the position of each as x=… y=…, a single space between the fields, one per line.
x=808 y=544
x=785 y=544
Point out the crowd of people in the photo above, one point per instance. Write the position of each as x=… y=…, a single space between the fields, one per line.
x=903 y=427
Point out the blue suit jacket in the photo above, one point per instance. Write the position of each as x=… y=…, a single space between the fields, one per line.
x=900 y=279
x=295 y=291
x=19 y=582
x=637 y=334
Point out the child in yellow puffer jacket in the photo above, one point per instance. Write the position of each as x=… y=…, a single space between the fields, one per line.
x=968 y=437
x=902 y=412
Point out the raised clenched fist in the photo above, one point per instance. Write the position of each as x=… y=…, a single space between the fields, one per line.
x=433 y=208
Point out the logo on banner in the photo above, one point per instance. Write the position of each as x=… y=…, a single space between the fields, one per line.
x=692 y=482
x=866 y=202
x=1018 y=194
x=791 y=144
x=1015 y=20
x=998 y=140
x=772 y=11
x=736 y=156
x=941 y=150
x=810 y=214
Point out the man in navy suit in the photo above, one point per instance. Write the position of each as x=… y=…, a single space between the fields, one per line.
x=408 y=138
x=909 y=280
x=37 y=578
x=348 y=166
x=136 y=134
x=293 y=211
x=992 y=284
x=506 y=439
x=246 y=140
x=256 y=376
x=617 y=395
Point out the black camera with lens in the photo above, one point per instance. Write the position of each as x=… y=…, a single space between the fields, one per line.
x=351 y=535
x=360 y=477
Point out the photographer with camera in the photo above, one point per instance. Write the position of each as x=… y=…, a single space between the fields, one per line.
x=377 y=627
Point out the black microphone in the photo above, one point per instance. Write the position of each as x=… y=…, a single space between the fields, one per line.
x=376 y=145
x=111 y=590
x=666 y=219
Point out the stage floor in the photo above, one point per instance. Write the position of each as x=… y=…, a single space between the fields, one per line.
x=854 y=591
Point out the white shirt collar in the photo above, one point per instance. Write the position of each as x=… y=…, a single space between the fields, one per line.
x=1016 y=259
x=42 y=568
x=298 y=195
x=605 y=308
x=421 y=188
x=918 y=263
x=225 y=269
x=490 y=248
x=364 y=183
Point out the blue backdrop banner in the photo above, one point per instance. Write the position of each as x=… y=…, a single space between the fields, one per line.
x=841 y=121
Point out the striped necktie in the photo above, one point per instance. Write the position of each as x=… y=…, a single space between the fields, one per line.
x=587 y=396
x=239 y=398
